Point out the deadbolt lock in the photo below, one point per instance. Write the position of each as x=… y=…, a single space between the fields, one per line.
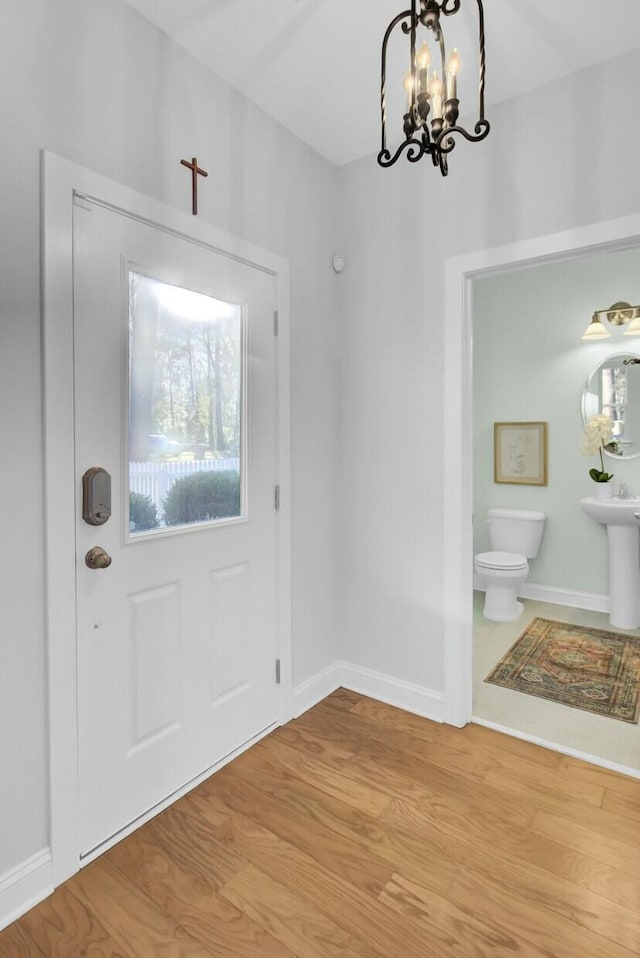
x=96 y=496
x=97 y=558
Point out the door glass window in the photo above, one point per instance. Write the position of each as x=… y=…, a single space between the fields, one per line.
x=185 y=407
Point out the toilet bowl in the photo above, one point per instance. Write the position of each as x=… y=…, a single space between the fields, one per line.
x=501 y=575
x=515 y=536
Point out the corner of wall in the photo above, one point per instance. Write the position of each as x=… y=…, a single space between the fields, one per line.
x=376 y=685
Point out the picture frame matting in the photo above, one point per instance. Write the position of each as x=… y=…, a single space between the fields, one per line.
x=520 y=453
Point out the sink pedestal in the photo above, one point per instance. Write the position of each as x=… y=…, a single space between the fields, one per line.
x=624 y=577
x=622 y=519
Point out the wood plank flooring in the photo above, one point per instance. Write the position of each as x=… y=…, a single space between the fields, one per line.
x=361 y=830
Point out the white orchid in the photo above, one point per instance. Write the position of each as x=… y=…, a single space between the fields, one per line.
x=597 y=433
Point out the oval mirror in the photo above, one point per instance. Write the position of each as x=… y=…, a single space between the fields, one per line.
x=613 y=390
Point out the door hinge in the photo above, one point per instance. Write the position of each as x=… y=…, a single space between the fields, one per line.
x=277 y=671
x=277 y=498
x=276 y=322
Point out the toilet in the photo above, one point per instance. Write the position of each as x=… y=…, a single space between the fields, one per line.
x=515 y=536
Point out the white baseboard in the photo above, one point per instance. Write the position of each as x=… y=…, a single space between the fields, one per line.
x=555 y=747
x=404 y=695
x=25 y=886
x=590 y=601
x=377 y=685
x=313 y=690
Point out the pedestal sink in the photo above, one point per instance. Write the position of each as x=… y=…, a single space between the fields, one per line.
x=622 y=519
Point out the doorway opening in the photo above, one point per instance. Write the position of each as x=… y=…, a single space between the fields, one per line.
x=565 y=667
x=461 y=274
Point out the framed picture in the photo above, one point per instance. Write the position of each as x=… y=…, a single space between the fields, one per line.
x=520 y=453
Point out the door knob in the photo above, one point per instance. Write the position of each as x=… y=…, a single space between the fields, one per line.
x=97 y=558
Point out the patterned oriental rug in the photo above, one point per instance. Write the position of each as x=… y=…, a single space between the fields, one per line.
x=589 y=669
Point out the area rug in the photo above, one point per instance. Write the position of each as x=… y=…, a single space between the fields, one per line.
x=589 y=669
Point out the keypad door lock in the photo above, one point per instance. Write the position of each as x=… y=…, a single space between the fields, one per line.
x=96 y=496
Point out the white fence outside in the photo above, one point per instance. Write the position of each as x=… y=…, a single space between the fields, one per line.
x=154 y=479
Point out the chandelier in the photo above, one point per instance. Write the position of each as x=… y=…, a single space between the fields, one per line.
x=432 y=109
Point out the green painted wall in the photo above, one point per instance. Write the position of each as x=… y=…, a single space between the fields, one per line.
x=530 y=364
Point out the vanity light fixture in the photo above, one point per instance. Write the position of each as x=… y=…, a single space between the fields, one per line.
x=633 y=329
x=431 y=117
x=595 y=329
x=620 y=314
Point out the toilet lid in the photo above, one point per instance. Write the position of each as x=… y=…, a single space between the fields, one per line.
x=501 y=560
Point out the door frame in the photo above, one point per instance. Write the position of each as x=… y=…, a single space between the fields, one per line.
x=460 y=271
x=61 y=180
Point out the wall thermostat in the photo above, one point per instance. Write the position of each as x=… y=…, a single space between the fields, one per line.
x=338 y=262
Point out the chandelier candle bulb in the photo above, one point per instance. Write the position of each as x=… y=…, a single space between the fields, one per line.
x=408 y=86
x=436 y=96
x=453 y=69
x=424 y=61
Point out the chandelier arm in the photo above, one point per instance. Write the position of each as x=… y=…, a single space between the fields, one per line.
x=450 y=10
x=415 y=150
x=481 y=129
x=383 y=78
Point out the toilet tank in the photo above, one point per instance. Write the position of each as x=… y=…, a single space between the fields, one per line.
x=516 y=530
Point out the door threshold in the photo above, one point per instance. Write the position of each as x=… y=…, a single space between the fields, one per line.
x=557 y=747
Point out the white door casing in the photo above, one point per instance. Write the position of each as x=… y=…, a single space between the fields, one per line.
x=61 y=180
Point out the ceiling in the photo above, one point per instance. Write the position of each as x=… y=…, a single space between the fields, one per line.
x=314 y=65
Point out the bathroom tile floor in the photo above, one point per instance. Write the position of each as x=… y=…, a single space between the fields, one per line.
x=606 y=738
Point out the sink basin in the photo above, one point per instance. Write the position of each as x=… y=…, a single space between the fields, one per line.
x=622 y=520
x=614 y=512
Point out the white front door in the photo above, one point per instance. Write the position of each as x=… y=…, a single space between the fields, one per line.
x=175 y=398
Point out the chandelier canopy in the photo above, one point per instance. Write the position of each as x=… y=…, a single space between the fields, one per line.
x=431 y=118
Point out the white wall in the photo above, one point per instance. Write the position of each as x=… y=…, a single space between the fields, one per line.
x=94 y=82
x=551 y=163
x=530 y=364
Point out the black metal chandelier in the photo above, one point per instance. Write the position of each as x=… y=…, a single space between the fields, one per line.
x=431 y=116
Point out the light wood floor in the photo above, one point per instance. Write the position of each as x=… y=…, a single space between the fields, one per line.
x=361 y=830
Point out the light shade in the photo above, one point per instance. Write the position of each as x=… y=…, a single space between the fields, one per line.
x=633 y=329
x=595 y=330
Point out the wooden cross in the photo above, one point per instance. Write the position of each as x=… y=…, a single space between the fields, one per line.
x=195 y=170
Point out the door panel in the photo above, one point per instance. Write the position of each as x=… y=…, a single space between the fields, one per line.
x=231 y=600
x=177 y=637
x=154 y=648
